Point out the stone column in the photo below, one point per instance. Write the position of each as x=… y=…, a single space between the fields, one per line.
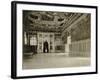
x=67 y=49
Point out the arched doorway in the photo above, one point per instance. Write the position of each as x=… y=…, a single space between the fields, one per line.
x=45 y=47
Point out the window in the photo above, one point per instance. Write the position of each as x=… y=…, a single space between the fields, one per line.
x=25 y=38
x=33 y=40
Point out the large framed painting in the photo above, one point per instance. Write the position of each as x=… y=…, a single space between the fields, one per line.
x=50 y=39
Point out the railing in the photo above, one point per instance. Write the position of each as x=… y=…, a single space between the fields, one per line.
x=80 y=48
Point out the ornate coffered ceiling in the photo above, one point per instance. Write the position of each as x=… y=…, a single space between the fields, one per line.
x=48 y=21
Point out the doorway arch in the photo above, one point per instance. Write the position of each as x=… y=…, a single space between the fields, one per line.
x=45 y=47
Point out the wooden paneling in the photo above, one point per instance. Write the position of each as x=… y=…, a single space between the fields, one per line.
x=80 y=48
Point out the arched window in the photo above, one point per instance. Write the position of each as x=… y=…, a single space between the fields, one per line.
x=33 y=40
x=25 y=38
